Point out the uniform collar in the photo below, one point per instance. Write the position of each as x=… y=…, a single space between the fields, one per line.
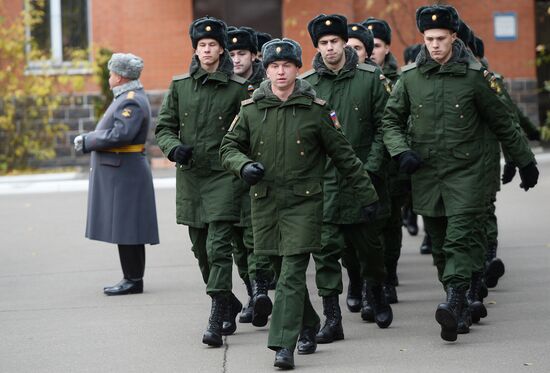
x=130 y=86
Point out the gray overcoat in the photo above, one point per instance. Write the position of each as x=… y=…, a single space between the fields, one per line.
x=121 y=198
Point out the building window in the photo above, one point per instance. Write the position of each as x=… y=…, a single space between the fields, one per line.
x=265 y=15
x=58 y=36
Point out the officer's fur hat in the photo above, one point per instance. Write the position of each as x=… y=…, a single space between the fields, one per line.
x=208 y=27
x=242 y=38
x=479 y=47
x=410 y=53
x=333 y=24
x=126 y=65
x=437 y=16
x=380 y=29
x=285 y=49
x=263 y=37
x=465 y=33
x=358 y=31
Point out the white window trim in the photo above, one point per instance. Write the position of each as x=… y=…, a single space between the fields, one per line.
x=56 y=65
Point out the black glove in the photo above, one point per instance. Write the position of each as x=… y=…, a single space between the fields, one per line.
x=183 y=153
x=253 y=172
x=529 y=176
x=409 y=161
x=369 y=212
x=508 y=173
x=374 y=178
x=535 y=136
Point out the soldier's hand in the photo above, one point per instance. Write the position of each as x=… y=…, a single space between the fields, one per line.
x=529 y=176
x=508 y=172
x=183 y=153
x=369 y=212
x=252 y=172
x=409 y=161
x=78 y=143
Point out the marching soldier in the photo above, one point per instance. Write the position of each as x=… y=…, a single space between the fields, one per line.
x=278 y=144
x=356 y=92
x=121 y=198
x=450 y=100
x=194 y=117
x=255 y=270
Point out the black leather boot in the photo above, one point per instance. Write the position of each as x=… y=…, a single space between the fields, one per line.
x=367 y=313
x=353 y=299
x=307 y=343
x=332 y=330
x=248 y=310
x=465 y=319
x=448 y=313
x=494 y=267
x=233 y=308
x=475 y=300
x=261 y=304
x=213 y=334
x=124 y=287
x=383 y=314
x=426 y=246
x=284 y=359
x=411 y=222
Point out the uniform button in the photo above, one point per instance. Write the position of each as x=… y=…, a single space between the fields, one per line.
x=307 y=191
x=261 y=142
x=297 y=141
x=420 y=105
x=457 y=105
x=185 y=114
x=461 y=116
x=259 y=153
x=255 y=194
x=356 y=108
x=223 y=128
x=90 y=169
x=301 y=153
x=468 y=154
x=183 y=124
x=220 y=118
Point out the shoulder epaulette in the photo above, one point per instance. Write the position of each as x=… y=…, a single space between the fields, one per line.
x=247 y=102
x=238 y=79
x=307 y=73
x=366 y=67
x=181 y=77
x=319 y=101
x=498 y=76
x=131 y=95
x=408 y=67
x=474 y=65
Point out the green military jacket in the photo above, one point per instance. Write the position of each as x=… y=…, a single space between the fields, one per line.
x=197 y=111
x=358 y=97
x=450 y=106
x=292 y=139
x=258 y=76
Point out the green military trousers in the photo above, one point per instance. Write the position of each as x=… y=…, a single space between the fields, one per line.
x=363 y=242
x=292 y=309
x=212 y=248
x=328 y=272
x=249 y=265
x=458 y=247
x=392 y=233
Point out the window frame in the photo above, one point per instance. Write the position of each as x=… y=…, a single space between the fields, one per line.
x=55 y=65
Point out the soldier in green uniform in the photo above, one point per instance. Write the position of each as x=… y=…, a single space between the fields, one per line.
x=451 y=102
x=254 y=270
x=356 y=92
x=194 y=117
x=399 y=183
x=279 y=144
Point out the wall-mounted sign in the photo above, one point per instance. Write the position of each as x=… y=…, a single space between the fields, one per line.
x=506 y=26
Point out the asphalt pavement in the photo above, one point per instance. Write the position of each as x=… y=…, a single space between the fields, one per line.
x=55 y=318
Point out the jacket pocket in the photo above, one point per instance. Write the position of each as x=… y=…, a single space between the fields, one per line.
x=306 y=190
x=467 y=150
x=111 y=160
x=258 y=191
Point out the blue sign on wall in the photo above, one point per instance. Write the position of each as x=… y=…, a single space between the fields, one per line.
x=505 y=25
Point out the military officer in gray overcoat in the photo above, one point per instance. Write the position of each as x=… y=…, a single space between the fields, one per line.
x=121 y=198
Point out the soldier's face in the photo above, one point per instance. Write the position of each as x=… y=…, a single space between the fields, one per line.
x=282 y=74
x=115 y=80
x=440 y=44
x=242 y=62
x=208 y=51
x=331 y=48
x=381 y=49
x=359 y=48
